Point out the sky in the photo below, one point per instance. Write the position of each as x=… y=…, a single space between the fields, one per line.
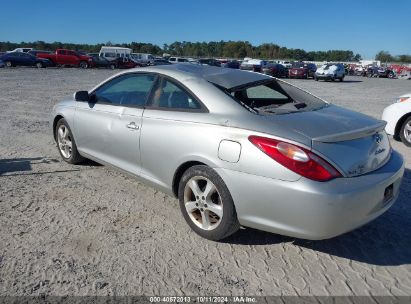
x=363 y=26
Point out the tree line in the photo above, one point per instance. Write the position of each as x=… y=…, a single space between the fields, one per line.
x=229 y=49
x=385 y=56
x=241 y=49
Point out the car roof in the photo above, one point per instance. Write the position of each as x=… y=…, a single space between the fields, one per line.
x=226 y=78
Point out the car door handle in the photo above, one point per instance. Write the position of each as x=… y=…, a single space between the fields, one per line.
x=132 y=125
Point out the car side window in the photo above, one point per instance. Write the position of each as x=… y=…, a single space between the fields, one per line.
x=127 y=90
x=169 y=95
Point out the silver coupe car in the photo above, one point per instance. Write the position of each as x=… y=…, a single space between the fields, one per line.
x=237 y=148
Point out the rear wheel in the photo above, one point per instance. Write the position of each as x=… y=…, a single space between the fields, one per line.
x=206 y=203
x=66 y=144
x=39 y=65
x=83 y=65
x=8 y=64
x=112 y=66
x=405 y=133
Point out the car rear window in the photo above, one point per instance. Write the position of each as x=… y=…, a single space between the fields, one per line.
x=275 y=97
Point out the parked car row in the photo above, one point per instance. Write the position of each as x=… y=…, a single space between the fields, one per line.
x=124 y=58
x=63 y=57
x=298 y=69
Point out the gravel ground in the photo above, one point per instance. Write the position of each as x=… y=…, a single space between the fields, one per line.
x=90 y=230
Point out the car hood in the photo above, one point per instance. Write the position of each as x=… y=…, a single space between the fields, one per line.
x=328 y=71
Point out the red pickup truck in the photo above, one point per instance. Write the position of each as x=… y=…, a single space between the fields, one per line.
x=67 y=57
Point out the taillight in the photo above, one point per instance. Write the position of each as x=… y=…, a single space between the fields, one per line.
x=295 y=158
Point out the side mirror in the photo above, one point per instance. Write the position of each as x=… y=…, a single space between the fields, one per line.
x=81 y=96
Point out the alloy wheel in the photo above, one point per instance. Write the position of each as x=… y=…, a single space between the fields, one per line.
x=203 y=203
x=64 y=141
x=407 y=132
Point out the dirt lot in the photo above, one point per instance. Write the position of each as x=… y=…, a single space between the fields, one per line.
x=89 y=230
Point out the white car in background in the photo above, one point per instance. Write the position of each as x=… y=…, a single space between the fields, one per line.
x=21 y=50
x=398 y=118
x=330 y=71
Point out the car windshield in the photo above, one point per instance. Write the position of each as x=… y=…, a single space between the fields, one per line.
x=327 y=66
x=275 y=97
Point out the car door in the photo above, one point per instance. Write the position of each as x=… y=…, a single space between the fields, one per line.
x=108 y=128
x=169 y=119
x=28 y=60
x=73 y=58
x=16 y=59
x=61 y=57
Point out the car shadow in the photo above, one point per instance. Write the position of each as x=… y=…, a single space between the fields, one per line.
x=384 y=242
x=345 y=81
x=350 y=81
x=89 y=163
x=23 y=166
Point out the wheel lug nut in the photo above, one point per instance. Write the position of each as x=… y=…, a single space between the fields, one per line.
x=197 y=204
x=203 y=198
x=205 y=205
x=201 y=209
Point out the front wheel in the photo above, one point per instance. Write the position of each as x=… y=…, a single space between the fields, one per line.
x=8 y=64
x=66 y=144
x=206 y=203
x=405 y=133
x=83 y=65
x=39 y=65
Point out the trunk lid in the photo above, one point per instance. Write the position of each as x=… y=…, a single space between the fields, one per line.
x=353 y=142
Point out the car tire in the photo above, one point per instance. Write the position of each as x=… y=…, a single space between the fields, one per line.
x=341 y=78
x=83 y=65
x=8 y=64
x=39 y=65
x=112 y=66
x=315 y=78
x=66 y=144
x=206 y=203
x=405 y=132
x=333 y=78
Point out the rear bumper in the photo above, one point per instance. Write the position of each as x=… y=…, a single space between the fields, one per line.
x=313 y=210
